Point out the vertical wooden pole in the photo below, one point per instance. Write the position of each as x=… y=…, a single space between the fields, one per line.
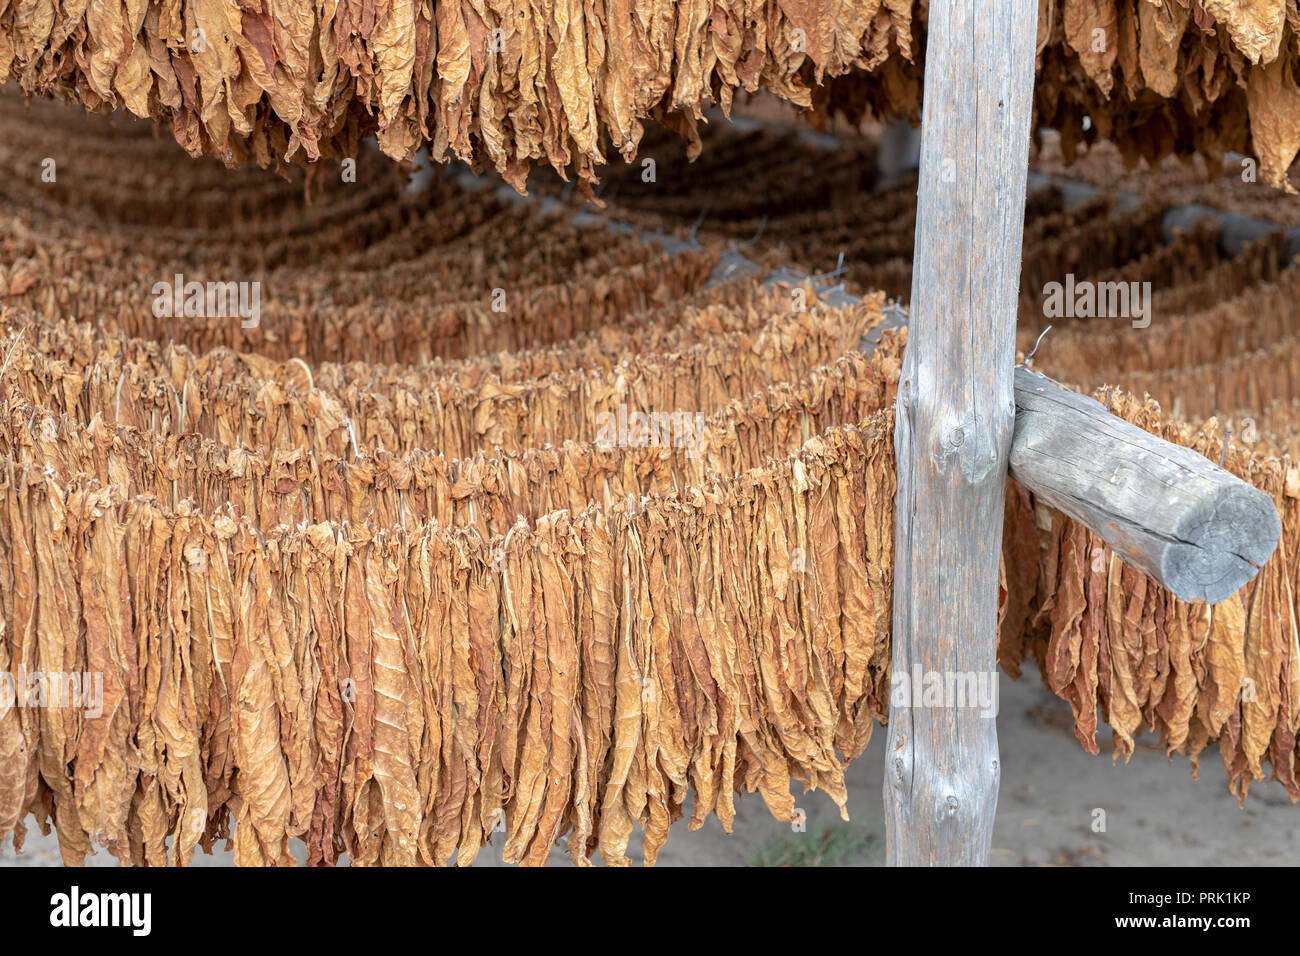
x=954 y=421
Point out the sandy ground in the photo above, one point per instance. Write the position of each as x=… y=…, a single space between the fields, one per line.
x=1155 y=813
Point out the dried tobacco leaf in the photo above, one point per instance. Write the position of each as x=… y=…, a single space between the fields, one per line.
x=510 y=83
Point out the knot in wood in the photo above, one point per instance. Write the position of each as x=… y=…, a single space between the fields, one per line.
x=973 y=450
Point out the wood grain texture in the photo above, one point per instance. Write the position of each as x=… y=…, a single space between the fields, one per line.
x=954 y=422
x=1180 y=519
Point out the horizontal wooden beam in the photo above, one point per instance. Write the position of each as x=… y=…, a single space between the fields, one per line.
x=1172 y=514
x=1183 y=521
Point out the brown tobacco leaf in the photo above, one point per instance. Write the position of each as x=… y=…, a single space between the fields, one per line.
x=395 y=674
x=261 y=785
x=105 y=780
x=359 y=712
x=13 y=755
x=58 y=614
x=1265 y=657
x=1161 y=29
x=507 y=83
x=616 y=818
x=1123 y=709
x=1175 y=708
x=1020 y=557
x=1067 y=615
x=1091 y=30
x=1254 y=25
x=559 y=657
x=1283 y=748
x=532 y=711
x=1273 y=98
x=1093 y=645
x=1225 y=663
x=324 y=585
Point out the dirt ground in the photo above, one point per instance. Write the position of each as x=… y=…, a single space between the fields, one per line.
x=1155 y=813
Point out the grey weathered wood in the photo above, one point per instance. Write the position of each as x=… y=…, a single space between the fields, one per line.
x=1169 y=512
x=1188 y=524
x=954 y=422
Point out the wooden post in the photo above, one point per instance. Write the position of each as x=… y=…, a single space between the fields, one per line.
x=954 y=422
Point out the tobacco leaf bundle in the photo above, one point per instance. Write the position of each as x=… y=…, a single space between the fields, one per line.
x=1109 y=640
x=1105 y=638
x=396 y=692
x=508 y=84
x=339 y=589
x=456 y=414
x=293 y=485
x=1233 y=357
x=401 y=654
x=502 y=83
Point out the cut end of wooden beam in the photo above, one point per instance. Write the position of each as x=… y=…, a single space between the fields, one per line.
x=1221 y=544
